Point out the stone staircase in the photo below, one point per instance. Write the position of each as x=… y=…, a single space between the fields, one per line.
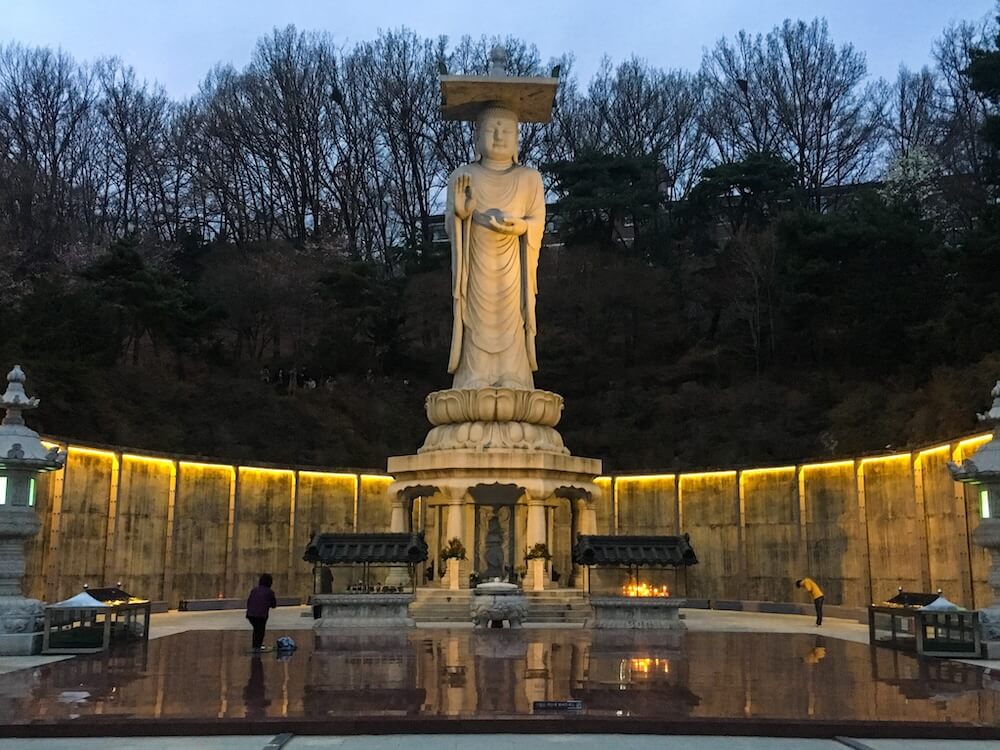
x=441 y=605
x=558 y=606
x=554 y=607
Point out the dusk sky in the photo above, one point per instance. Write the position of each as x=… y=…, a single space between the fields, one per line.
x=177 y=42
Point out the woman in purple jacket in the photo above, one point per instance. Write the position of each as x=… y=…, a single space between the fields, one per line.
x=259 y=604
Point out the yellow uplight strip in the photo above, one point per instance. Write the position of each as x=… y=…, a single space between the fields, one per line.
x=207 y=467
x=376 y=478
x=148 y=459
x=886 y=459
x=264 y=470
x=642 y=478
x=829 y=465
x=79 y=450
x=708 y=475
x=771 y=470
x=945 y=449
x=973 y=443
x=328 y=475
x=937 y=449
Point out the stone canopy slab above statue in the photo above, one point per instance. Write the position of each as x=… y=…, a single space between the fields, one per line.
x=531 y=99
x=462 y=97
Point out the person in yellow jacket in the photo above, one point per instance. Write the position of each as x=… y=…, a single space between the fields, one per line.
x=813 y=589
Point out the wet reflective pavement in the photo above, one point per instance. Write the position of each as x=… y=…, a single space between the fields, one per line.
x=694 y=678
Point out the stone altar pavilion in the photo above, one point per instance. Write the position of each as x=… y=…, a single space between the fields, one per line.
x=493 y=468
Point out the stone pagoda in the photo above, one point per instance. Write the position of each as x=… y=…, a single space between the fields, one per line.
x=22 y=458
x=982 y=470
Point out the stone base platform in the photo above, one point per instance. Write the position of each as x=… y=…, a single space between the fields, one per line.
x=494 y=418
x=637 y=612
x=452 y=472
x=363 y=611
x=20 y=626
x=20 y=644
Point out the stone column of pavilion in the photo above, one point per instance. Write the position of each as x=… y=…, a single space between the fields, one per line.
x=493 y=458
x=982 y=470
x=536 y=577
x=22 y=458
x=399 y=523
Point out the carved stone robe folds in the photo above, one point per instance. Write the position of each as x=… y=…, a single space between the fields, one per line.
x=494 y=279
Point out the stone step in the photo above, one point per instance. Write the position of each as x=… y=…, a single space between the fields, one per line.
x=456 y=606
x=440 y=617
x=445 y=595
x=554 y=606
x=541 y=599
x=556 y=598
x=464 y=617
x=557 y=610
x=531 y=607
x=559 y=616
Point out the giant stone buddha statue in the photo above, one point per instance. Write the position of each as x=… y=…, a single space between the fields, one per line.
x=495 y=218
x=493 y=450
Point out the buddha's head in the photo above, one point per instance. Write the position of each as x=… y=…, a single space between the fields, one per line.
x=497 y=134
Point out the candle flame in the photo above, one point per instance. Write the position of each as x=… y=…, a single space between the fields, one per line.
x=644 y=589
x=649 y=666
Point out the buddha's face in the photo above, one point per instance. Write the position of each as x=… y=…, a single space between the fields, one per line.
x=497 y=134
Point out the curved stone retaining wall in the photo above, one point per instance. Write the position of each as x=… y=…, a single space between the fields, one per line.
x=172 y=528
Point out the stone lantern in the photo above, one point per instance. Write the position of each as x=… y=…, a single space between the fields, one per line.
x=982 y=470
x=22 y=458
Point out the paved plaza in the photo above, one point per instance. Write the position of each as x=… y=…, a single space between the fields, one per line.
x=755 y=670
x=490 y=742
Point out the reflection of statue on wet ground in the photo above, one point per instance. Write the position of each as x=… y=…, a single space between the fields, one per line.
x=494 y=549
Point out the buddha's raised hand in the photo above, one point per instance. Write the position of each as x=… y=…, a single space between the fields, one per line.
x=465 y=204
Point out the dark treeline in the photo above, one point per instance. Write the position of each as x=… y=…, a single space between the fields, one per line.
x=773 y=256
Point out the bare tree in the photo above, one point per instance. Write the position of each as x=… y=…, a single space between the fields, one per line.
x=796 y=94
x=133 y=116
x=739 y=113
x=828 y=117
x=911 y=117
x=404 y=100
x=962 y=109
x=640 y=111
x=45 y=103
